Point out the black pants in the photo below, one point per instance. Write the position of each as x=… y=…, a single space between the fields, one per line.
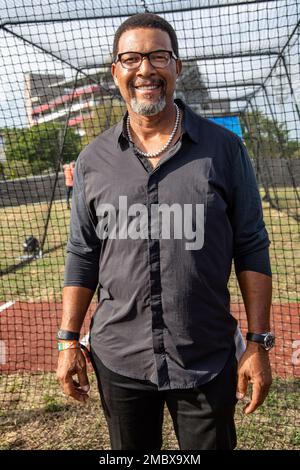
x=69 y=191
x=203 y=417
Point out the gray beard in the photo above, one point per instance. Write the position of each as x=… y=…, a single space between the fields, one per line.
x=147 y=109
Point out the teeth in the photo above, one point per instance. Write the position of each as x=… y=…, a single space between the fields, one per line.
x=148 y=87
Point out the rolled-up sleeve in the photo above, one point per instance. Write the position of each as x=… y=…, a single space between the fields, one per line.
x=83 y=247
x=251 y=241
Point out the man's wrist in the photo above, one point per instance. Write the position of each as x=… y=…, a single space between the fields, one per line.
x=255 y=347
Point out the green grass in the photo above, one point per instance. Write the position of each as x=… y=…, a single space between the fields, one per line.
x=284 y=233
x=287 y=199
x=274 y=424
x=51 y=421
x=42 y=279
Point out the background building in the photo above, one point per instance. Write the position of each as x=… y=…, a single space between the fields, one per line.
x=52 y=98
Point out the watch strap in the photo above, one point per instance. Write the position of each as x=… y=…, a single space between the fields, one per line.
x=67 y=335
x=266 y=340
x=256 y=337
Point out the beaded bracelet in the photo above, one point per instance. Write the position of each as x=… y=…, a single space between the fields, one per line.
x=75 y=345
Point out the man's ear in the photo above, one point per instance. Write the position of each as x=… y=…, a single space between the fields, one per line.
x=114 y=74
x=178 y=67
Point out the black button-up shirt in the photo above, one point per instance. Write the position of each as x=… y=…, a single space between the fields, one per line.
x=164 y=308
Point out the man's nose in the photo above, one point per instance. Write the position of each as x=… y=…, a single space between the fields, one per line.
x=146 y=67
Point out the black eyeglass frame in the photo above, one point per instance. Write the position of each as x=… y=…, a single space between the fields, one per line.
x=146 y=54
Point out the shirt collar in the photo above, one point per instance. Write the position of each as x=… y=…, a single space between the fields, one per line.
x=189 y=125
x=121 y=132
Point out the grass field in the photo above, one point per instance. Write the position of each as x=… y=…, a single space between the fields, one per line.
x=62 y=424
x=42 y=279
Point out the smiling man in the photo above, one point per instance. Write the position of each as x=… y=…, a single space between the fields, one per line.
x=147 y=82
x=162 y=332
x=150 y=94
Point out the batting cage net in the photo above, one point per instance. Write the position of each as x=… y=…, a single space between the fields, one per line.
x=241 y=69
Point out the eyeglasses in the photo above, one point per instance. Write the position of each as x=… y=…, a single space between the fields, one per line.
x=133 y=60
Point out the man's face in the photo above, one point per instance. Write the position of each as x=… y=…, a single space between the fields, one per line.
x=146 y=90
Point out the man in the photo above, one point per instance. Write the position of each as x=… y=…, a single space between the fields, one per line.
x=163 y=202
x=69 y=173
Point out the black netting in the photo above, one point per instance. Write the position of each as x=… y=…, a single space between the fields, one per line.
x=241 y=68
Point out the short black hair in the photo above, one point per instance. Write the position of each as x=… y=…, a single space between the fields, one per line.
x=145 y=20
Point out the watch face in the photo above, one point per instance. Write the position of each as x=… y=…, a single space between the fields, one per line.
x=269 y=341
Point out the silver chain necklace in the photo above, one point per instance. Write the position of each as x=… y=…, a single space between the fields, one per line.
x=167 y=145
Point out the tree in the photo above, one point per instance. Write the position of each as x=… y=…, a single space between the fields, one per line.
x=33 y=150
x=104 y=116
x=267 y=137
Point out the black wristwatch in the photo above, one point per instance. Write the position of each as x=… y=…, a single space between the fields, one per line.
x=266 y=340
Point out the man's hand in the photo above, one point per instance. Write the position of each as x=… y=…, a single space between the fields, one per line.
x=72 y=362
x=254 y=367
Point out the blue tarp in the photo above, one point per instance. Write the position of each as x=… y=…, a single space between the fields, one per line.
x=230 y=122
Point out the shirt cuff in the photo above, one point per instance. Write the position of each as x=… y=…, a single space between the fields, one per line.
x=258 y=261
x=82 y=271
